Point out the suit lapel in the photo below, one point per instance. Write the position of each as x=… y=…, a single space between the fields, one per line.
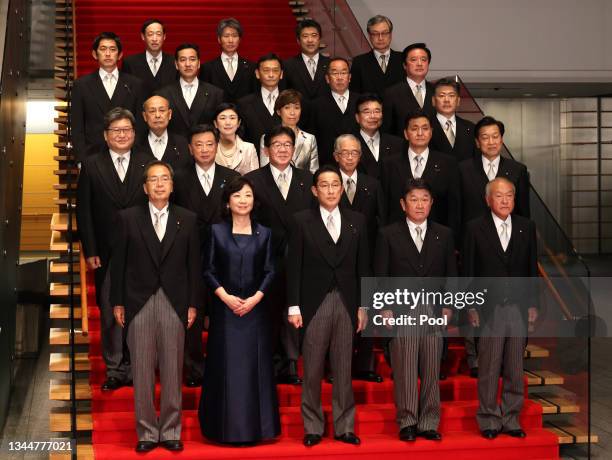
x=322 y=237
x=198 y=104
x=99 y=92
x=491 y=233
x=441 y=135
x=149 y=235
x=171 y=153
x=275 y=195
x=133 y=176
x=347 y=233
x=173 y=226
x=121 y=91
x=109 y=176
x=429 y=246
x=410 y=246
x=180 y=104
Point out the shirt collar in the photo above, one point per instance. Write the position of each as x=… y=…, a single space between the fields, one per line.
x=153 y=137
x=442 y=119
x=485 y=162
x=378 y=54
x=210 y=172
x=194 y=83
x=497 y=221
x=306 y=58
x=325 y=214
x=345 y=94
x=225 y=57
x=345 y=177
x=149 y=56
x=153 y=209
x=413 y=84
x=277 y=172
x=115 y=155
x=412 y=226
x=366 y=136
x=103 y=73
x=265 y=92
x=412 y=155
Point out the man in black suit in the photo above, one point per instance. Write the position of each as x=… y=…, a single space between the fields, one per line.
x=109 y=181
x=413 y=93
x=154 y=67
x=159 y=142
x=501 y=245
x=476 y=172
x=199 y=188
x=192 y=101
x=233 y=74
x=375 y=145
x=328 y=255
x=362 y=194
x=257 y=109
x=437 y=169
x=451 y=133
x=417 y=247
x=333 y=113
x=282 y=191
x=95 y=94
x=155 y=292
x=375 y=71
x=306 y=71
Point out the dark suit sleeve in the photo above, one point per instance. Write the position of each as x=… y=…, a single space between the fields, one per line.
x=451 y=258
x=117 y=265
x=295 y=255
x=268 y=267
x=381 y=256
x=454 y=199
x=381 y=206
x=210 y=270
x=363 y=256
x=126 y=67
x=522 y=194
x=77 y=121
x=356 y=84
x=194 y=264
x=468 y=252
x=388 y=122
x=84 y=213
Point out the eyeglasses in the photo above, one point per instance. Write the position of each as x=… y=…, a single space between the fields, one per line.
x=349 y=153
x=155 y=179
x=342 y=73
x=379 y=34
x=278 y=145
x=117 y=131
x=368 y=113
x=328 y=186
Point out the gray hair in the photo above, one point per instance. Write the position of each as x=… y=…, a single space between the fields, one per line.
x=229 y=22
x=377 y=20
x=344 y=137
x=152 y=163
x=118 y=113
x=497 y=180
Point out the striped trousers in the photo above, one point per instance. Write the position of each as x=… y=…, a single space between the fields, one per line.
x=156 y=336
x=330 y=328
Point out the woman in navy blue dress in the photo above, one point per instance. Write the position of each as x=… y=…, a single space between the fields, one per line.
x=239 y=402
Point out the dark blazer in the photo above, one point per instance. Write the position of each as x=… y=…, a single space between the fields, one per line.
x=473 y=180
x=465 y=145
x=441 y=173
x=90 y=103
x=237 y=277
x=244 y=81
x=483 y=256
x=328 y=122
x=368 y=77
x=398 y=102
x=274 y=211
x=256 y=120
x=100 y=196
x=369 y=201
x=176 y=153
x=389 y=146
x=188 y=193
x=296 y=76
x=316 y=265
x=137 y=65
x=202 y=110
x=142 y=264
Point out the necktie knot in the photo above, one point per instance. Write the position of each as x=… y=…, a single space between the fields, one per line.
x=331 y=228
x=419 y=94
x=283 y=186
x=418 y=169
x=159 y=230
x=312 y=67
x=419 y=237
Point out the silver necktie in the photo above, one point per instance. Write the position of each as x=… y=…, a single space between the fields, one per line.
x=120 y=167
x=341 y=103
x=419 y=238
x=383 y=63
x=491 y=171
x=159 y=153
x=449 y=133
x=108 y=84
x=154 y=64
x=271 y=101
x=418 y=169
x=231 y=72
x=350 y=189
x=331 y=228
x=159 y=229
x=189 y=94
x=418 y=95
x=312 y=67
x=207 y=183
x=283 y=186
x=372 y=147
x=503 y=236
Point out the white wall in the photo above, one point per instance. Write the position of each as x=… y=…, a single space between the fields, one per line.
x=504 y=40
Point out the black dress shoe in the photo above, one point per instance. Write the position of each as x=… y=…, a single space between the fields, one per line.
x=516 y=433
x=173 y=445
x=349 y=438
x=111 y=383
x=408 y=433
x=312 y=439
x=432 y=435
x=474 y=372
x=193 y=382
x=145 y=446
x=289 y=379
x=368 y=376
x=489 y=434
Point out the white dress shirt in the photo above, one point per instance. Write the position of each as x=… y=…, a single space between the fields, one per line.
x=234 y=59
x=374 y=145
x=413 y=84
x=277 y=172
x=345 y=177
x=265 y=94
x=498 y=226
x=386 y=54
x=442 y=119
x=486 y=163
x=163 y=218
x=211 y=174
x=158 y=148
x=194 y=89
x=126 y=161
x=413 y=163
x=315 y=58
x=342 y=106
x=114 y=78
x=413 y=233
x=149 y=57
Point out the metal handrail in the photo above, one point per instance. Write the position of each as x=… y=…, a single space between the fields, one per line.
x=84 y=305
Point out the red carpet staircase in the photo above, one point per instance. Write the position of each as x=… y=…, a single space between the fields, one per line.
x=268 y=26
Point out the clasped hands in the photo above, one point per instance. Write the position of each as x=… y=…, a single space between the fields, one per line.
x=239 y=306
